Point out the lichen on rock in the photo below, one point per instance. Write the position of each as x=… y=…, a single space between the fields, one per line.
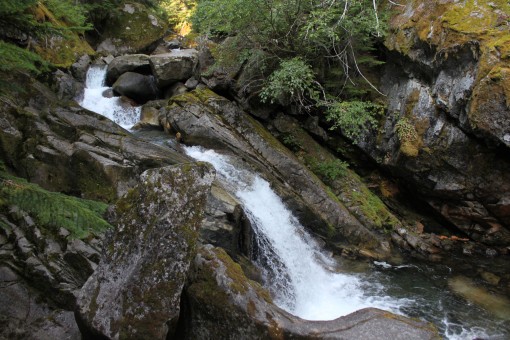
x=136 y=288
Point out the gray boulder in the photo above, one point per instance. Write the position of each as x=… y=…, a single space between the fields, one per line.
x=138 y=63
x=178 y=65
x=136 y=86
x=79 y=68
x=135 y=291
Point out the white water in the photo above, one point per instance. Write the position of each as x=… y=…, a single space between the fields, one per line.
x=114 y=108
x=299 y=280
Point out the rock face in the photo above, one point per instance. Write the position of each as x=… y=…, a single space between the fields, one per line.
x=70 y=149
x=221 y=303
x=446 y=131
x=178 y=65
x=138 y=63
x=132 y=28
x=207 y=119
x=135 y=291
x=136 y=86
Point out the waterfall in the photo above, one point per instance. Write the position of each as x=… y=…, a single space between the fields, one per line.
x=99 y=98
x=299 y=275
x=296 y=270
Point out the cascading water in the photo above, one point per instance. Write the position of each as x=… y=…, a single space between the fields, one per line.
x=301 y=277
x=94 y=99
x=295 y=267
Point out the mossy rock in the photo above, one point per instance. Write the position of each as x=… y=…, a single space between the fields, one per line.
x=132 y=28
x=62 y=51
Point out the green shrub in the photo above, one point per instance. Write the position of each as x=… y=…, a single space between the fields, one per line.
x=330 y=170
x=51 y=210
x=352 y=117
x=405 y=130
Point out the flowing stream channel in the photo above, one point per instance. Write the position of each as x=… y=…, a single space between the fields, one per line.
x=306 y=281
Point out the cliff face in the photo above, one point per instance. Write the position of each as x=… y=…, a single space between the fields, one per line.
x=447 y=130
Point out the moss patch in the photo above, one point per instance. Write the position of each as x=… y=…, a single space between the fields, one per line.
x=51 y=210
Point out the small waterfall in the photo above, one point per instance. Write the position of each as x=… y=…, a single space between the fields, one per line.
x=99 y=98
x=296 y=269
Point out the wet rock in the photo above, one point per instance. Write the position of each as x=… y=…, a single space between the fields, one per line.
x=67 y=87
x=138 y=63
x=207 y=119
x=136 y=86
x=178 y=65
x=221 y=303
x=135 y=290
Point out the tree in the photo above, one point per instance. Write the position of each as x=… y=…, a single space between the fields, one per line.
x=314 y=49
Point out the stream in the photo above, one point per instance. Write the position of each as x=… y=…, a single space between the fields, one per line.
x=308 y=282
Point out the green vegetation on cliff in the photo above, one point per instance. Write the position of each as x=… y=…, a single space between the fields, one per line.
x=52 y=211
x=309 y=53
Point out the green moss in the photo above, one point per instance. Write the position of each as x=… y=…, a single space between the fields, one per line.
x=374 y=209
x=51 y=210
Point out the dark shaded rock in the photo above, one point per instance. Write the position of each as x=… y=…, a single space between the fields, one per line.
x=207 y=119
x=132 y=28
x=175 y=89
x=136 y=86
x=136 y=288
x=138 y=63
x=178 y=65
x=221 y=303
x=23 y=315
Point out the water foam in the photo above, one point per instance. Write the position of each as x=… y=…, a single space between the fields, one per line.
x=121 y=113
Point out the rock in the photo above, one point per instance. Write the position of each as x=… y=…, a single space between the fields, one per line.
x=138 y=63
x=207 y=119
x=191 y=83
x=132 y=28
x=175 y=89
x=79 y=68
x=136 y=86
x=72 y=150
x=178 y=65
x=68 y=88
x=445 y=89
x=222 y=304
x=136 y=288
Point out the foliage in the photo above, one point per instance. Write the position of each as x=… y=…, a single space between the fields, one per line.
x=330 y=170
x=405 y=130
x=351 y=117
x=293 y=82
x=290 y=141
x=315 y=50
x=51 y=210
x=179 y=13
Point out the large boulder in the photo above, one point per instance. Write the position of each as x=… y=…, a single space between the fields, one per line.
x=135 y=291
x=178 y=65
x=448 y=118
x=132 y=28
x=221 y=303
x=136 y=86
x=204 y=118
x=138 y=63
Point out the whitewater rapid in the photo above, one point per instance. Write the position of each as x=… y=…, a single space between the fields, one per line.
x=95 y=98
